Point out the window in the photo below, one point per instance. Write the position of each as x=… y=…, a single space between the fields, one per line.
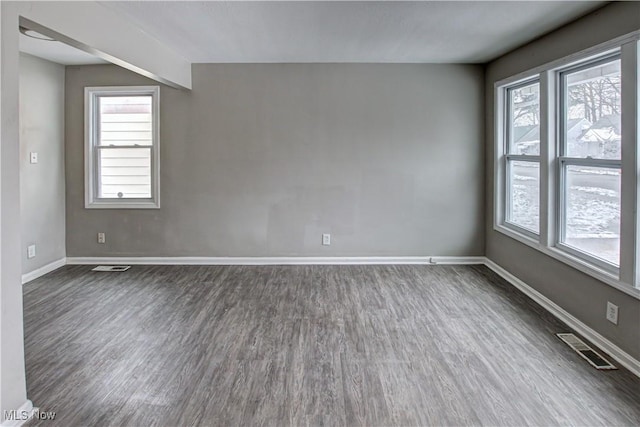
x=122 y=147
x=567 y=181
x=590 y=160
x=523 y=156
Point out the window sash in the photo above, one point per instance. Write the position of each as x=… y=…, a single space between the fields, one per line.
x=561 y=234
x=98 y=171
x=508 y=131
x=508 y=194
x=564 y=161
x=509 y=158
x=563 y=98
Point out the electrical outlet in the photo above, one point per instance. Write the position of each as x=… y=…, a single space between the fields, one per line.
x=101 y=238
x=612 y=313
x=31 y=251
x=326 y=239
x=33 y=157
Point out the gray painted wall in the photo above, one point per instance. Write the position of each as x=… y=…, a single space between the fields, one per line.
x=261 y=159
x=579 y=294
x=42 y=186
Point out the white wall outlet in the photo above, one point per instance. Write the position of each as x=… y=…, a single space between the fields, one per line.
x=33 y=157
x=326 y=239
x=31 y=251
x=101 y=238
x=612 y=313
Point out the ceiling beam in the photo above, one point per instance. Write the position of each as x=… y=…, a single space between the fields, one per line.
x=102 y=32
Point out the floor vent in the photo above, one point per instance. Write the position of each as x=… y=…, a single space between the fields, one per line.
x=586 y=352
x=112 y=268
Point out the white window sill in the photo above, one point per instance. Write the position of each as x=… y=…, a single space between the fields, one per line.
x=104 y=204
x=577 y=263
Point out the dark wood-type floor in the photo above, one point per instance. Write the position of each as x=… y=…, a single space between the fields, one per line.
x=306 y=345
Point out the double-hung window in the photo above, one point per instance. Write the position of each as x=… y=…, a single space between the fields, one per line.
x=522 y=157
x=590 y=161
x=567 y=174
x=122 y=147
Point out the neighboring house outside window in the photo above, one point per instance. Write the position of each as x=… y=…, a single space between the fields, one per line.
x=122 y=147
x=591 y=162
x=522 y=157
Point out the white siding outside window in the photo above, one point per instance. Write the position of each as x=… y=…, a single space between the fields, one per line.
x=122 y=147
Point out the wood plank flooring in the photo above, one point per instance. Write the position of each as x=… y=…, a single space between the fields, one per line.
x=306 y=345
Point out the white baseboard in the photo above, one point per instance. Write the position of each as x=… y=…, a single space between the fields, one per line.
x=23 y=414
x=275 y=260
x=598 y=340
x=27 y=277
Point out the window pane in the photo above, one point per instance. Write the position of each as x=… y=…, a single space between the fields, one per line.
x=592 y=119
x=125 y=173
x=524 y=195
x=125 y=120
x=592 y=205
x=524 y=120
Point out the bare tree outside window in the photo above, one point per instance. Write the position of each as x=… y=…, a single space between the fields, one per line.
x=592 y=140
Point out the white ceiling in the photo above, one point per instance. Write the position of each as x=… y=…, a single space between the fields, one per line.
x=55 y=51
x=341 y=31
x=333 y=31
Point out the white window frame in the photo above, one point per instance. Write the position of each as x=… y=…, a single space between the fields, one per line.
x=626 y=277
x=92 y=94
x=508 y=158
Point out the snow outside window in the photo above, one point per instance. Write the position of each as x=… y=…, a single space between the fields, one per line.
x=590 y=160
x=523 y=157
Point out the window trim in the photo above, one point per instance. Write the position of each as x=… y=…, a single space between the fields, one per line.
x=91 y=94
x=627 y=47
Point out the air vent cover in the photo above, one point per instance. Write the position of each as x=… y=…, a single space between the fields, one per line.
x=111 y=268
x=586 y=352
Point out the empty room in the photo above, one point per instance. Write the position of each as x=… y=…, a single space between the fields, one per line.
x=305 y=213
